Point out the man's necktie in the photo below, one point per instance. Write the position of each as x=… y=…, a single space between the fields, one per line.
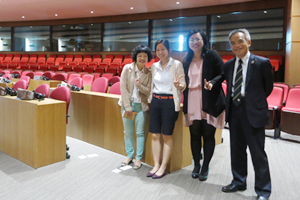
x=238 y=84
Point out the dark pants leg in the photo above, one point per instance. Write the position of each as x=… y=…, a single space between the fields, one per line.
x=241 y=135
x=197 y=129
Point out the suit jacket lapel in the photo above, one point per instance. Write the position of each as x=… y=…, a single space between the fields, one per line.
x=251 y=63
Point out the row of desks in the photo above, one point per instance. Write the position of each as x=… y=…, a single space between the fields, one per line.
x=35 y=132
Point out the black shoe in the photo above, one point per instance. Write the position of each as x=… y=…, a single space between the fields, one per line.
x=233 y=188
x=67 y=147
x=262 y=198
x=195 y=173
x=203 y=177
x=67 y=155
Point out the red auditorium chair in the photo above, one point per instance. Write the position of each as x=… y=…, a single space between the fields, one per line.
x=108 y=60
x=20 y=84
x=77 y=82
x=53 y=68
x=43 y=89
x=227 y=57
x=290 y=115
x=25 y=72
x=149 y=64
x=107 y=75
x=88 y=69
x=12 y=66
x=96 y=75
x=285 y=91
x=78 y=58
x=57 y=60
x=49 y=75
x=127 y=56
x=66 y=68
x=119 y=56
x=30 y=74
x=103 y=65
x=114 y=80
x=97 y=60
x=59 y=77
x=275 y=104
x=100 y=85
x=72 y=76
x=109 y=56
x=62 y=94
x=69 y=58
x=115 y=89
x=87 y=79
x=94 y=65
x=33 y=67
x=24 y=60
x=15 y=72
x=43 y=68
x=77 y=69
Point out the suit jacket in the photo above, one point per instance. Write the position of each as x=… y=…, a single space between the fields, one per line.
x=127 y=84
x=213 y=101
x=259 y=85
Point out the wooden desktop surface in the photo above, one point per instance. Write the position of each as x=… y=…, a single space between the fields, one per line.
x=35 y=83
x=96 y=118
x=33 y=131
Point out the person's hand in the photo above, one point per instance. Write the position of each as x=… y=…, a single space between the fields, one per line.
x=176 y=81
x=137 y=80
x=128 y=113
x=207 y=85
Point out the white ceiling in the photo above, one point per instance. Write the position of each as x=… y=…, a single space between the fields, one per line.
x=33 y=10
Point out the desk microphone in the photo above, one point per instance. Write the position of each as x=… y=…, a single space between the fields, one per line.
x=37 y=95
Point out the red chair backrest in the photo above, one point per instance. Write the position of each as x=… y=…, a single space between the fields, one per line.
x=30 y=74
x=293 y=98
x=20 y=84
x=26 y=79
x=107 y=75
x=87 y=79
x=43 y=89
x=100 y=85
x=224 y=87
x=285 y=91
x=275 y=98
x=114 y=79
x=78 y=82
x=59 y=77
x=62 y=94
x=115 y=89
x=49 y=75
x=73 y=76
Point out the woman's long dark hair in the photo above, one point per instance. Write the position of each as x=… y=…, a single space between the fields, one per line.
x=190 y=54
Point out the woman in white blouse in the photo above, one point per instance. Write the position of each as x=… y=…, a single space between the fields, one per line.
x=135 y=86
x=168 y=82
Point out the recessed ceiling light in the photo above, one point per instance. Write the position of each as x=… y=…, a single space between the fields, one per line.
x=23 y=17
x=30 y=26
x=64 y=25
x=265 y=11
x=55 y=15
x=92 y=24
x=218 y=16
x=131 y=8
x=129 y=22
x=171 y=20
x=92 y=12
x=177 y=2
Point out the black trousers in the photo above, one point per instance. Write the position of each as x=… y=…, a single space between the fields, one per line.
x=242 y=134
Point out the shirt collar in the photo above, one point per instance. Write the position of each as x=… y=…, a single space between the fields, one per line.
x=168 y=65
x=244 y=59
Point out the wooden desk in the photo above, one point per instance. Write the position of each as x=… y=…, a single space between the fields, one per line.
x=35 y=83
x=33 y=132
x=96 y=118
x=10 y=85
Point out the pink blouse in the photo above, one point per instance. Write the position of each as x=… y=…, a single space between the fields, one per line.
x=195 y=111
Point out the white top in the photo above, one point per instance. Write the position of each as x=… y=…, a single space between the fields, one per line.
x=245 y=60
x=135 y=97
x=163 y=79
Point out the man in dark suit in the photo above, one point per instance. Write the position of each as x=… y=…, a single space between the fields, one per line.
x=249 y=82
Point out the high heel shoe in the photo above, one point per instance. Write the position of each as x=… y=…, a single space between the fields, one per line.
x=203 y=177
x=195 y=173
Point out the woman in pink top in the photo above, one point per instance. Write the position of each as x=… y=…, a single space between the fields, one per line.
x=203 y=109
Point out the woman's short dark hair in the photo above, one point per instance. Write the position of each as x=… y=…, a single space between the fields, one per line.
x=190 y=54
x=164 y=42
x=141 y=49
